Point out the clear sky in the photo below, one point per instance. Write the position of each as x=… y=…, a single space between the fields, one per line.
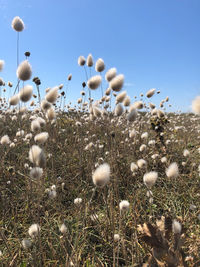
x=154 y=43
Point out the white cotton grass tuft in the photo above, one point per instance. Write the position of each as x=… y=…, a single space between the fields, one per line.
x=78 y=201
x=37 y=156
x=45 y=105
x=2 y=63
x=186 y=153
x=25 y=93
x=5 y=140
x=51 y=115
x=172 y=171
x=132 y=133
x=97 y=112
x=144 y=135
x=52 y=95
x=116 y=237
x=41 y=138
x=176 y=227
x=117 y=83
x=141 y=163
x=134 y=167
x=151 y=92
x=99 y=66
x=131 y=116
x=110 y=74
x=81 y=61
x=17 y=24
x=14 y=100
x=127 y=101
x=101 y=175
x=24 y=71
x=150 y=178
x=196 y=105
x=120 y=97
x=124 y=206
x=94 y=82
x=26 y=243
x=89 y=61
x=34 y=230
x=138 y=105
x=63 y=229
x=35 y=125
x=36 y=173
x=119 y=110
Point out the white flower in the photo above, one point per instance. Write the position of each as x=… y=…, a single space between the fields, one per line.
x=150 y=178
x=116 y=237
x=172 y=171
x=63 y=228
x=176 y=227
x=78 y=201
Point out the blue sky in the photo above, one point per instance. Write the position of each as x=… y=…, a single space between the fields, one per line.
x=154 y=43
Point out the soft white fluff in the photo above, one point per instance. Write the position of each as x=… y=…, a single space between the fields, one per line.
x=101 y=175
x=172 y=171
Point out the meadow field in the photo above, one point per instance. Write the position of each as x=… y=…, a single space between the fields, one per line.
x=106 y=182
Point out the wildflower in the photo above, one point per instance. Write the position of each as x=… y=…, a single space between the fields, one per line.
x=1 y=64
x=35 y=125
x=36 y=156
x=36 y=173
x=52 y=95
x=63 y=229
x=34 y=230
x=41 y=138
x=150 y=178
x=89 y=61
x=151 y=92
x=101 y=175
x=124 y=205
x=94 y=82
x=26 y=93
x=143 y=147
x=17 y=24
x=81 y=61
x=26 y=243
x=127 y=101
x=176 y=227
x=5 y=140
x=100 y=66
x=51 y=114
x=14 y=100
x=172 y=171
x=97 y=112
x=24 y=71
x=117 y=82
x=138 y=105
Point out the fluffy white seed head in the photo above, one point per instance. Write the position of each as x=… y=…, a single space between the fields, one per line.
x=81 y=61
x=143 y=148
x=34 y=230
x=132 y=133
x=134 y=167
x=124 y=205
x=119 y=110
x=144 y=135
x=89 y=61
x=52 y=95
x=120 y=97
x=51 y=115
x=127 y=101
x=25 y=93
x=131 y=116
x=41 y=138
x=110 y=74
x=1 y=64
x=99 y=66
x=116 y=237
x=26 y=243
x=63 y=229
x=24 y=71
x=141 y=163
x=78 y=201
x=36 y=156
x=176 y=227
x=36 y=173
x=14 y=100
x=101 y=175
x=150 y=93
x=94 y=82
x=117 y=83
x=35 y=125
x=45 y=105
x=196 y=105
x=5 y=140
x=172 y=171
x=17 y=24
x=163 y=159
x=186 y=153
x=138 y=105
x=150 y=178
x=97 y=112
